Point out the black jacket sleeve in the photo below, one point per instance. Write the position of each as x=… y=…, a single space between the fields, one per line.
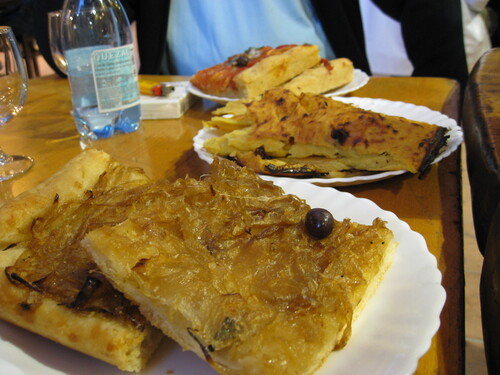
x=433 y=36
x=152 y=18
x=342 y=24
x=432 y=33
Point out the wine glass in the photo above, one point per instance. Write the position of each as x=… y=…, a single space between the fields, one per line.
x=13 y=90
x=54 y=21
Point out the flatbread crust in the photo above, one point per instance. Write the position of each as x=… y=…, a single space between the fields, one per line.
x=112 y=340
x=106 y=339
x=271 y=68
x=226 y=268
x=324 y=77
x=80 y=174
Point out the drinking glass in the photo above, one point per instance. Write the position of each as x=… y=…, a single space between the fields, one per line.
x=13 y=90
x=54 y=21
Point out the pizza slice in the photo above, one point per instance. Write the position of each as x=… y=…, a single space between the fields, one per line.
x=226 y=266
x=324 y=77
x=257 y=69
x=287 y=134
x=48 y=283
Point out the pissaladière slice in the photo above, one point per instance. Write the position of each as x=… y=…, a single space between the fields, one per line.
x=225 y=266
x=315 y=136
x=49 y=285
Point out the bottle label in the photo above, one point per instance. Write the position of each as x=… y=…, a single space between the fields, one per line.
x=115 y=78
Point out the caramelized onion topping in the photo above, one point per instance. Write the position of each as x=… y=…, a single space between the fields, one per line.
x=55 y=264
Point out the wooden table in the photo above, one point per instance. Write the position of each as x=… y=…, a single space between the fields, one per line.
x=481 y=122
x=45 y=130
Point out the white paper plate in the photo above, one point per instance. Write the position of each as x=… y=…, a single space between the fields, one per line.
x=407 y=110
x=391 y=334
x=359 y=80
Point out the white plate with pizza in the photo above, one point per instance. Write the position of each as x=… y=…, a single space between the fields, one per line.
x=388 y=338
x=407 y=110
x=360 y=79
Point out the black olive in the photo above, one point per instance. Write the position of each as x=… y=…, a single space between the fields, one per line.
x=242 y=60
x=319 y=222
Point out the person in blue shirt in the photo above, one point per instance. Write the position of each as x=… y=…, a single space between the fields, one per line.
x=182 y=36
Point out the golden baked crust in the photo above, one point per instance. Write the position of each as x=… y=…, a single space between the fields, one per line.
x=109 y=340
x=263 y=68
x=225 y=267
x=80 y=174
x=274 y=70
x=324 y=77
x=291 y=129
x=49 y=285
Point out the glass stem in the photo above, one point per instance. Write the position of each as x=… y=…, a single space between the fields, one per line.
x=4 y=158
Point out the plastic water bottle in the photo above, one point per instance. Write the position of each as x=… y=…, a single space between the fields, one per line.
x=98 y=47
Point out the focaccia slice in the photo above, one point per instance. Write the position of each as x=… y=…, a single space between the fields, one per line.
x=284 y=125
x=249 y=74
x=48 y=283
x=324 y=77
x=226 y=267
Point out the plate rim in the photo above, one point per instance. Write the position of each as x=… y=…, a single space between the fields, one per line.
x=360 y=79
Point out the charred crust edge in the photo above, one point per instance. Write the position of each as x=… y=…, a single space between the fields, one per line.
x=433 y=149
